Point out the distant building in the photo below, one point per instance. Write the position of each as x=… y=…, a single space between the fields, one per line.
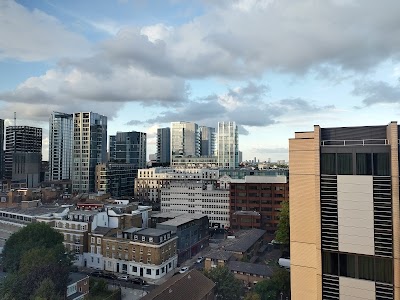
x=116 y=179
x=90 y=149
x=192 y=285
x=164 y=146
x=1 y=149
x=185 y=140
x=26 y=167
x=201 y=162
x=21 y=139
x=78 y=286
x=207 y=137
x=129 y=148
x=61 y=148
x=228 y=145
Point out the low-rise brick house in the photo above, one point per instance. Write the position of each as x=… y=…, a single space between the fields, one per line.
x=78 y=286
x=245 y=244
x=249 y=273
x=192 y=285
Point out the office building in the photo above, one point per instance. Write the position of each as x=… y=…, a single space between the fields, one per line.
x=228 y=145
x=116 y=179
x=164 y=146
x=256 y=202
x=129 y=148
x=90 y=149
x=185 y=140
x=344 y=213
x=60 y=146
x=26 y=168
x=21 y=139
x=207 y=135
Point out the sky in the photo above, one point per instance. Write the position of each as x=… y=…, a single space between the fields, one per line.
x=273 y=66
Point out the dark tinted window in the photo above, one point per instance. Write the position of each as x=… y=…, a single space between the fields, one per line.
x=381 y=164
x=366 y=267
x=330 y=263
x=383 y=270
x=347 y=265
x=345 y=164
x=328 y=163
x=363 y=164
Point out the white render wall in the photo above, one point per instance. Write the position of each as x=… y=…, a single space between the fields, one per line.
x=356 y=289
x=192 y=198
x=356 y=214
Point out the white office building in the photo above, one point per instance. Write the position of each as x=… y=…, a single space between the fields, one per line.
x=197 y=197
x=228 y=145
x=185 y=139
x=60 y=146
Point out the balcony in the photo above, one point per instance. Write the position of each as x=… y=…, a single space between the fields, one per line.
x=365 y=142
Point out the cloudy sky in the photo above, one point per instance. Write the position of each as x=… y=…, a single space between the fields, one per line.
x=273 y=66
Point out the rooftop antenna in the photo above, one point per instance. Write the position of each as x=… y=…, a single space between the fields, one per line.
x=15 y=118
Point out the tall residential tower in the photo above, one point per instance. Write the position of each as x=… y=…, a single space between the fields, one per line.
x=90 y=149
x=344 y=213
x=60 y=146
x=129 y=148
x=164 y=146
x=185 y=140
x=228 y=145
x=207 y=137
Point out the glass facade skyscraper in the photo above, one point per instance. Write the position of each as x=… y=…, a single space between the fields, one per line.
x=60 y=146
x=228 y=145
x=129 y=148
x=164 y=145
x=185 y=140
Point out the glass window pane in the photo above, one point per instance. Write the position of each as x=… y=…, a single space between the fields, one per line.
x=330 y=263
x=345 y=164
x=383 y=270
x=366 y=267
x=328 y=163
x=363 y=164
x=381 y=164
x=347 y=265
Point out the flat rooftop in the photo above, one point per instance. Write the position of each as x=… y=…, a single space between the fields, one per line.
x=153 y=232
x=261 y=179
x=34 y=211
x=244 y=240
x=170 y=215
x=177 y=221
x=132 y=229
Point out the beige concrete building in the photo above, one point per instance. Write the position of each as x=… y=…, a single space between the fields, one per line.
x=344 y=213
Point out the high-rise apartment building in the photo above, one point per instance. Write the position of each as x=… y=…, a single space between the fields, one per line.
x=228 y=145
x=129 y=148
x=344 y=213
x=21 y=139
x=207 y=136
x=1 y=149
x=60 y=146
x=90 y=149
x=185 y=140
x=164 y=146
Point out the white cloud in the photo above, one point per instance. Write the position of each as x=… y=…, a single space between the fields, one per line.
x=34 y=35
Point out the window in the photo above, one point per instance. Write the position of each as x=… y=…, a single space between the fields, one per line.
x=92 y=240
x=134 y=269
x=381 y=164
x=347 y=265
x=330 y=263
x=366 y=267
x=328 y=163
x=363 y=164
x=98 y=240
x=143 y=238
x=148 y=271
x=157 y=272
x=345 y=163
x=150 y=239
x=383 y=270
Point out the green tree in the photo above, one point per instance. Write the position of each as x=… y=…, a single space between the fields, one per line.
x=35 y=235
x=39 y=271
x=270 y=289
x=282 y=235
x=252 y=296
x=227 y=286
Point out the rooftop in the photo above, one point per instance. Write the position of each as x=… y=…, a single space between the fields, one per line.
x=177 y=221
x=75 y=277
x=250 y=268
x=84 y=212
x=101 y=230
x=192 y=285
x=170 y=215
x=153 y=232
x=132 y=229
x=219 y=254
x=246 y=212
x=35 y=211
x=244 y=240
x=261 y=179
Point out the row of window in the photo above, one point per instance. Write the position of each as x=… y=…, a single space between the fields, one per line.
x=377 y=164
x=358 y=266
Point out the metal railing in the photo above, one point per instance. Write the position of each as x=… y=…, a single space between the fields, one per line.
x=365 y=142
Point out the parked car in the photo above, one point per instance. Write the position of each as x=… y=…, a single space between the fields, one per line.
x=97 y=274
x=123 y=277
x=199 y=259
x=183 y=270
x=138 y=281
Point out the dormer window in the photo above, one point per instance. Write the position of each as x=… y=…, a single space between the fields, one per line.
x=143 y=238
x=135 y=237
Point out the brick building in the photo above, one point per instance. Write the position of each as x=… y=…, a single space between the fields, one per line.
x=255 y=202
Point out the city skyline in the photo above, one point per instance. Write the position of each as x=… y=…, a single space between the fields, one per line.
x=145 y=64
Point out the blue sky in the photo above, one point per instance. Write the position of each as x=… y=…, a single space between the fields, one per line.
x=274 y=67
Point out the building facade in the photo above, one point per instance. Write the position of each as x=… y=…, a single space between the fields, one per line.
x=1 y=148
x=164 y=146
x=197 y=197
x=185 y=140
x=21 y=139
x=129 y=148
x=60 y=146
x=26 y=167
x=344 y=213
x=255 y=202
x=207 y=135
x=90 y=149
x=116 y=179
x=228 y=145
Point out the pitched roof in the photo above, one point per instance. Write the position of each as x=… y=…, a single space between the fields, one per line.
x=250 y=268
x=219 y=254
x=192 y=285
